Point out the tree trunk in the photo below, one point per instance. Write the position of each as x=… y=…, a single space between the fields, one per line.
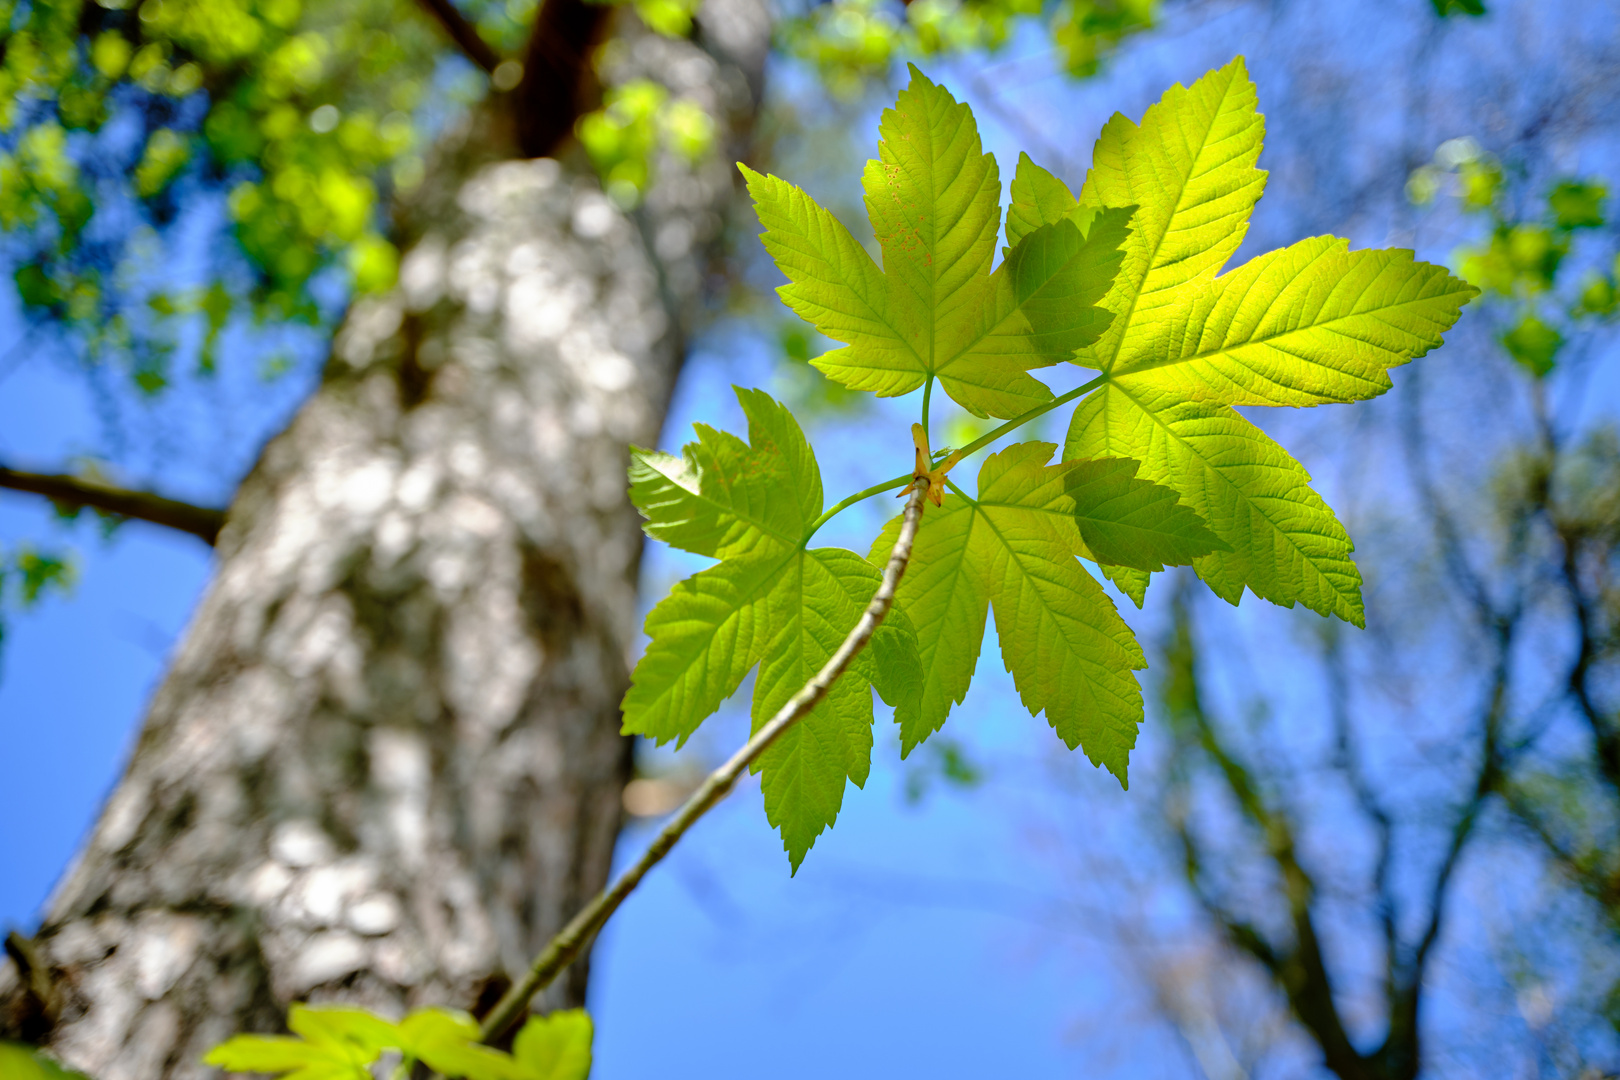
x=385 y=764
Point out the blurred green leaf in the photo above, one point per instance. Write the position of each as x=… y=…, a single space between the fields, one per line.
x=19 y=1062
x=555 y=1047
x=1598 y=296
x=1533 y=344
x=1578 y=204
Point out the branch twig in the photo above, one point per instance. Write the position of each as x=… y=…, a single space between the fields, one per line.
x=200 y=521
x=573 y=938
x=463 y=33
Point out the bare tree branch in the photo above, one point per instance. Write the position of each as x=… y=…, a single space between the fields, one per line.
x=1348 y=761
x=1401 y=1051
x=1299 y=970
x=573 y=938
x=200 y=521
x=1604 y=733
x=463 y=33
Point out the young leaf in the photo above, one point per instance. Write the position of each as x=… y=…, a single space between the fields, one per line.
x=336 y=1043
x=1039 y=198
x=725 y=498
x=706 y=635
x=936 y=310
x=447 y=1042
x=1133 y=583
x=1309 y=324
x=1013 y=549
x=817 y=600
x=1134 y=523
x=778 y=605
x=19 y=1062
x=1285 y=543
x=555 y=1047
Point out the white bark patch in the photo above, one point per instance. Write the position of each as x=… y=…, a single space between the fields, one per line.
x=374 y=915
x=164 y=947
x=593 y=216
x=422 y=273
x=491 y=663
x=125 y=810
x=150 y=1043
x=371 y=321
x=399 y=768
x=261 y=702
x=419 y=485
x=267 y=884
x=300 y=843
x=368 y=488
x=326 y=957
x=540 y=307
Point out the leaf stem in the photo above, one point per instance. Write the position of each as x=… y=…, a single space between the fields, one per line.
x=928 y=393
x=839 y=507
x=971 y=448
x=573 y=938
x=1034 y=414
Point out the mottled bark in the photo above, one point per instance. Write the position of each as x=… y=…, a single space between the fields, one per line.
x=385 y=764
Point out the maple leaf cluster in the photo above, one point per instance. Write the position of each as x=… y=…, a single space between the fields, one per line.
x=1158 y=468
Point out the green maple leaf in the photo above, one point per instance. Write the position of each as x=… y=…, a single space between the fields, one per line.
x=335 y=1042
x=446 y=1041
x=19 y=1062
x=1309 y=324
x=723 y=498
x=936 y=309
x=771 y=602
x=555 y=1047
x=1130 y=523
x=1012 y=549
x=331 y=1043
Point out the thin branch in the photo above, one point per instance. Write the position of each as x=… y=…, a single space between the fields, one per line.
x=1604 y=733
x=1300 y=970
x=1588 y=874
x=1348 y=761
x=463 y=33
x=200 y=521
x=572 y=940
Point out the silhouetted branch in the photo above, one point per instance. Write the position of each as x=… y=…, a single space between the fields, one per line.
x=1604 y=733
x=463 y=33
x=200 y=521
x=1300 y=969
x=1348 y=761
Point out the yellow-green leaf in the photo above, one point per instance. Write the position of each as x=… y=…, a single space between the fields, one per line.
x=936 y=309
x=1287 y=545
x=1013 y=549
x=555 y=1047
